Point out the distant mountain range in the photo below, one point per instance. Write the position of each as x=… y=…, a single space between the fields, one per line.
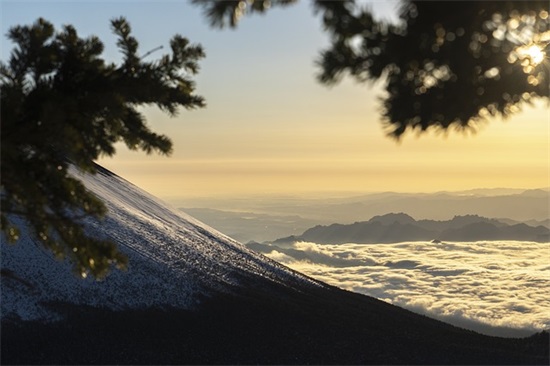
x=268 y=218
x=399 y=227
x=192 y=295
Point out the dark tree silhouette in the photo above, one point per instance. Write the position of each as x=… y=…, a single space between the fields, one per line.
x=63 y=106
x=447 y=63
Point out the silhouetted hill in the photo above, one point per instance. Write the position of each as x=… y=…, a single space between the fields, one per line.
x=535 y=193
x=272 y=217
x=365 y=232
x=489 y=231
x=545 y=223
x=457 y=222
x=393 y=228
x=391 y=218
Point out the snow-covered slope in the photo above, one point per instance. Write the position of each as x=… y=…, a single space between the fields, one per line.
x=174 y=260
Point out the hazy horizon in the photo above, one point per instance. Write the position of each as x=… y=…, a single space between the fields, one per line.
x=343 y=194
x=267 y=218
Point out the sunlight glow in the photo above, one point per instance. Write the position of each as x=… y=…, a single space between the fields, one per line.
x=529 y=55
x=534 y=53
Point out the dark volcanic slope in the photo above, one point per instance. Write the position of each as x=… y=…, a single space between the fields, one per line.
x=268 y=325
x=193 y=296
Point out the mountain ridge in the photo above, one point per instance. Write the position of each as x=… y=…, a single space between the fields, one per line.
x=268 y=218
x=400 y=227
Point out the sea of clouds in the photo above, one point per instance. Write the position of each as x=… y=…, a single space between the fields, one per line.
x=498 y=288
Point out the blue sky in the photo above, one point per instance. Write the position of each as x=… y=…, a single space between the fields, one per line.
x=271 y=128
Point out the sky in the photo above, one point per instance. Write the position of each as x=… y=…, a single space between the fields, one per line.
x=270 y=128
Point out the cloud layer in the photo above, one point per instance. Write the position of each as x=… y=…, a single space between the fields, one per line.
x=498 y=288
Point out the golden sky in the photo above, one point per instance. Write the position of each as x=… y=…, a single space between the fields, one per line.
x=330 y=152
x=270 y=127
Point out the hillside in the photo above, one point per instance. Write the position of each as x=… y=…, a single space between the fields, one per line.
x=174 y=260
x=394 y=228
x=194 y=296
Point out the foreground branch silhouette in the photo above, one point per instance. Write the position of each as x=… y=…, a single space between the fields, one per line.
x=64 y=106
x=447 y=63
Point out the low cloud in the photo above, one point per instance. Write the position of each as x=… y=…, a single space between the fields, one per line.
x=281 y=257
x=497 y=288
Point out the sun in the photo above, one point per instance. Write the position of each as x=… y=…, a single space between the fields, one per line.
x=535 y=53
x=531 y=54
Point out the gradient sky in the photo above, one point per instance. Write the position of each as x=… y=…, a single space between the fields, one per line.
x=270 y=128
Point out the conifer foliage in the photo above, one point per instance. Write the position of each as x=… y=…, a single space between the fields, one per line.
x=63 y=106
x=444 y=64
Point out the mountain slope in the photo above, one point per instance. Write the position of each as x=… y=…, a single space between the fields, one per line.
x=194 y=296
x=174 y=259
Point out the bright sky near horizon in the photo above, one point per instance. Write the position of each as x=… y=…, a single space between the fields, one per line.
x=270 y=128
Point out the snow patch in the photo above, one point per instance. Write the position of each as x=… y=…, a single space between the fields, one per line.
x=174 y=260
